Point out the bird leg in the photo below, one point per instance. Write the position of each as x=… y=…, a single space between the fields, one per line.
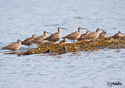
x=74 y=43
x=118 y=40
x=29 y=47
x=94 y=41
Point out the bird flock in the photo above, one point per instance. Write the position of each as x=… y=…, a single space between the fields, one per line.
x=57 y=36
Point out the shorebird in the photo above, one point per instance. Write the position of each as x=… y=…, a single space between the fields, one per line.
x=13 y=46
x=63 y=41
x=28 y=42
x=75 y=35
x=55 y=36
x=40 y=39
x=94 y=35
x=102 y=35
x=117 y=35
x=83 y=36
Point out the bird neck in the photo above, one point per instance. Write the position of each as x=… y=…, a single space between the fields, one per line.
x=79 y=30
x=19 y=43
x=97 y=31
x=119 y=34
x=59 y=31
x=87 y=33
x=45 y=34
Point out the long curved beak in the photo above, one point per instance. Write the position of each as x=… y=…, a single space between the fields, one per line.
x=49 y=32
x=85 y=29
x=103 y=30
x=64 y=28
x=122 y=33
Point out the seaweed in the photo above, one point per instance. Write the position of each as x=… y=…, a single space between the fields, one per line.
x=102 y=43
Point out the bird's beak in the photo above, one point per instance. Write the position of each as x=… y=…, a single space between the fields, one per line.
x=85 y=29
x=122 y=33
x=64 y=28
x=103 y=30
x=49 y=32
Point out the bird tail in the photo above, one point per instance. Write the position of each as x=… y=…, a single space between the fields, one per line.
x=22 y=43
x=4 y=47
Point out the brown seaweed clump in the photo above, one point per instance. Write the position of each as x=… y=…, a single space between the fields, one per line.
x=102 y=43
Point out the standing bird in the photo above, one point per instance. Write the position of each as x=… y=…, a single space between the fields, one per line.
x=40 y=39
x=55 y=36
x=83 y=36
x=102 y=35
x=75 y=35
x=13 y=46
x=117 y=35
x=28 y=42
x=94 y=35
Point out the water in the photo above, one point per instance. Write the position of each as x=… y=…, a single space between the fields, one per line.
x=19 y=19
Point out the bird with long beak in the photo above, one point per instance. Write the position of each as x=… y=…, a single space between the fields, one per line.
x=117 y=35
x=13 y=46
x=55 y=36
x=75 y=35
x=28 y=42
x=83 y=36
x=94 y=35
x=40 y=39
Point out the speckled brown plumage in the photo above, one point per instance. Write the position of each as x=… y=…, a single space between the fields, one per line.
x=56 y=36
x=75 y=35
x=63 y=41
x=83 y=36
x=102 y=35
x=93 y=35
x=13 y=46
x=27 y=41
x=117 y=35
x=40 y=39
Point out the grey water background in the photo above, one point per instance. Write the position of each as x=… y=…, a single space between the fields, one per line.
x=19 y=19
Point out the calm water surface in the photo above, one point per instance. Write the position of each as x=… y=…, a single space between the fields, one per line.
x=19 y=19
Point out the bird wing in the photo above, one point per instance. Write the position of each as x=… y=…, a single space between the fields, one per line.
x=92 y=35
x=83 y=35
x=27 y=40
x=14 y=45
x=72 y=35
x=102 y=35
x=115 y=35
x=53 y=37
x=39 y=38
